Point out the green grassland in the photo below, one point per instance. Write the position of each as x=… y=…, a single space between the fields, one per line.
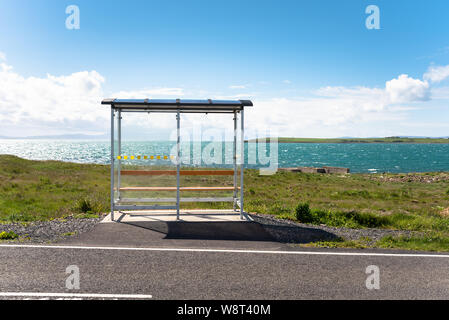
x=41 y=190
x=360 y=140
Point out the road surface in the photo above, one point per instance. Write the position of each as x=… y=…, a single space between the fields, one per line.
x=117 y=259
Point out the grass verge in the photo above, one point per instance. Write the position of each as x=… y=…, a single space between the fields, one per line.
x=428 y=242
x=43 y=190
x=438 y=242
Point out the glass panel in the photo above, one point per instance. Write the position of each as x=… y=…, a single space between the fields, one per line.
x=231 y=102
x=193 y=102
x=162 y=101
x=118 y=101
x=207 y=145
x=147 y=159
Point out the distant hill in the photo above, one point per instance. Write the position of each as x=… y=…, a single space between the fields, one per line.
x=362 y=140
x=61 y=137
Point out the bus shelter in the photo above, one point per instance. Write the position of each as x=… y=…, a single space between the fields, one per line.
x=141 y=195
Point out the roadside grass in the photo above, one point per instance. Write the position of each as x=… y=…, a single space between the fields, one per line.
x=361 y=243
x=43 y=190
x=354 y=219
x=354 y=200
x=68 y=234
x=348 y=219
x=427 y=242
x=438 y=242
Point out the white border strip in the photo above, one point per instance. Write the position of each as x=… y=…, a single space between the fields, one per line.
x=366 y=254
x=74 y=295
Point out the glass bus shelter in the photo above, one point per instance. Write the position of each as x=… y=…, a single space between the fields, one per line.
x=161 y=186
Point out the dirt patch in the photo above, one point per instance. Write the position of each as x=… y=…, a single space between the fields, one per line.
x=445 y=212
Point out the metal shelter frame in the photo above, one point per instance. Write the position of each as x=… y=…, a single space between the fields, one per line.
x=177 y=106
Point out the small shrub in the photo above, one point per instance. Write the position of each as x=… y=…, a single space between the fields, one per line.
x=303 y=213
x=10 y=235
x=88 y=206
x=350 y=219
x=84 y=206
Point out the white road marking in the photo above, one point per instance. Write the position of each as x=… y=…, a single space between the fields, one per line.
x=74 y=295
x=366 y=254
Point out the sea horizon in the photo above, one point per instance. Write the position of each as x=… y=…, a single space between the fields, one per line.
x=358 y=157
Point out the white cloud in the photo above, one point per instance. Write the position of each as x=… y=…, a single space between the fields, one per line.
x=237 y=87
x=71 y=104
x=441 y=93
x=287 y=81
x=2 y=56
x=406 y=89
x=437 y=73
x=59 y=104
x=402 y=89
x=341 y=111
x=318 y=116
x=323 y=116
x=53 y=99
x=148 y=93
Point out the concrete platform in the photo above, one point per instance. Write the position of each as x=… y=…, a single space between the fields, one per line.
x=184 y=216
x=196 y=229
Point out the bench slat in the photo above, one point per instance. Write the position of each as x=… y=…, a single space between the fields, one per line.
x=174 y=188
x=181 y=172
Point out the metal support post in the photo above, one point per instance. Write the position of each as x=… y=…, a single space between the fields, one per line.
x=119 y=152
x=112 y=162
x=242 y=161
x=234 y=157
x=178 y=162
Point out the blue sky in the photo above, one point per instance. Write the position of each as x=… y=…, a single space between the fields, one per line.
x=281 y=54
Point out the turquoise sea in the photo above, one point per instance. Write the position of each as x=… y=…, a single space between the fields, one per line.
x=359 y=157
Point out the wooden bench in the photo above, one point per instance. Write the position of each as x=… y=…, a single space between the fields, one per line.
x=173 y=173
x=174 y=188
x=181 y=172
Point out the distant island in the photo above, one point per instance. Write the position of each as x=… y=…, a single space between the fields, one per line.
x=360 y=140
x=61 y=137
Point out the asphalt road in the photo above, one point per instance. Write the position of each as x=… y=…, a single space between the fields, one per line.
x=217 y=269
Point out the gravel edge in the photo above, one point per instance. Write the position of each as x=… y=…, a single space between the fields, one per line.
x=49 y=231
x=288 y=231
x=281 y=230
